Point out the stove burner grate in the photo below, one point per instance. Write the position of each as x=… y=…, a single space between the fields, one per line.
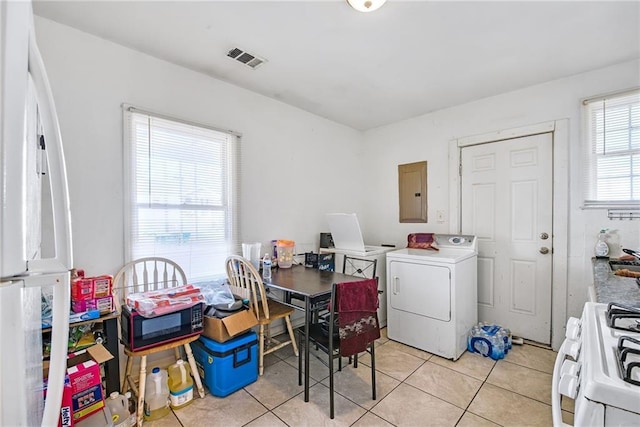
x=627 y=367
x=616 y=312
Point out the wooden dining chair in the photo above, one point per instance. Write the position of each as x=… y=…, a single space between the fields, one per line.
x=245 y=281
x=142 y=275
x=353 y=311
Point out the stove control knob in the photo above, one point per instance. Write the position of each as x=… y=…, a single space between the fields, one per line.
x=571 y=348
x=568 y=386
x=569 y=367
x=573 y=329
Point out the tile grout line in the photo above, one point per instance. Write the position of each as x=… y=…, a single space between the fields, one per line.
x=476 y=394
x=424 y=361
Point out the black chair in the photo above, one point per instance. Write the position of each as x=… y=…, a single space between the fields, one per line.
x=360 y=267
x=353 y=312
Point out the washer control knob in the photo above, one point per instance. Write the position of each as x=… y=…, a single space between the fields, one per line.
x=457 y=240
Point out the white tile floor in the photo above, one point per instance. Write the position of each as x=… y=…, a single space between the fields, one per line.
x=414 y=388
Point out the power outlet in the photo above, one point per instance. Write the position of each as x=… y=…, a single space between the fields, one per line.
x=440 y=216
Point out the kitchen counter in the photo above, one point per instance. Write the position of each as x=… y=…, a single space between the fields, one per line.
x=612 y=288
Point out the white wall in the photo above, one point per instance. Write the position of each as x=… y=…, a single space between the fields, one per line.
x=297 y=166
x=294 y=163
x=427 y=138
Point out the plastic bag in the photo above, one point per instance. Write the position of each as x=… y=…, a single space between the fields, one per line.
x=218 y=294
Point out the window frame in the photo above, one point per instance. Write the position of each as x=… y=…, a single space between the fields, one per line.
x=590 y=200
x=232 y=224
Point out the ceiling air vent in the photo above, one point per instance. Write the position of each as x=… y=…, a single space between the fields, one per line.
x=245 y=57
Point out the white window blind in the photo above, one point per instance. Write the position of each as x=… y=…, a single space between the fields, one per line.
x=613 y=156
x=183 y=192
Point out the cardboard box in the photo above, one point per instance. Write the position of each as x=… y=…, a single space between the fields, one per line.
x=102 y=285
x=86 y=288
x=324 y=262
x=83 y=370
x=222 y=330
x=81 y=289
x=65 y=420
x=82 y=394
x=103 y=304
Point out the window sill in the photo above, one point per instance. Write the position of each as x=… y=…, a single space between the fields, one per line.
x=623 y=204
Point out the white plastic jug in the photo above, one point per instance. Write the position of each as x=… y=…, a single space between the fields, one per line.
x=180 y=385
x=156 y=395
x=251 y=251
x=133 y=412
x=118 y=406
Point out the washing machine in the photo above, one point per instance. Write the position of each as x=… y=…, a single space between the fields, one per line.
x=432 y=296
x=346 y=237
x=373 y=252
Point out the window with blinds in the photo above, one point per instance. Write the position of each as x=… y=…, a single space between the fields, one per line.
x=182 y=192
x=613 y=131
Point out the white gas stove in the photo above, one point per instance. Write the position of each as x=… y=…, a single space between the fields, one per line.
x=598 y=365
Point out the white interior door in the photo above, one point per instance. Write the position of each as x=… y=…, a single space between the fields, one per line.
x=507 y=202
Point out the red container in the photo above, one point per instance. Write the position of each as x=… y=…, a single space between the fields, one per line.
x=102 y=285
x=86 y=288
x=103 y=304
x=81 y=289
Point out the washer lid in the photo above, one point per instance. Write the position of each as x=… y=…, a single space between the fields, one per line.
x=444 y=255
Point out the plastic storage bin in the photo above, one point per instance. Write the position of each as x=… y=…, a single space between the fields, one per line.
x=229 y=366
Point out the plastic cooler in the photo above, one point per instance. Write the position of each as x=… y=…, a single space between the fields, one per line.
x=229 y=366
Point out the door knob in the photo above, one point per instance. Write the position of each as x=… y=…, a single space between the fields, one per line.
x=544 y=250
x=544 y=236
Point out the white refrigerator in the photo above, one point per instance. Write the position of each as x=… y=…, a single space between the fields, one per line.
x=35 y=227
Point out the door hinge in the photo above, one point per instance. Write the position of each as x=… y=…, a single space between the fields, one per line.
x=460 y=169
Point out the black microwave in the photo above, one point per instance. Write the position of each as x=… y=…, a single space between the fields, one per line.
x=140 y=332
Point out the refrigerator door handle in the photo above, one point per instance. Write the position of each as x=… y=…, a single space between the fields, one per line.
x=62 y=260
x=59 y=342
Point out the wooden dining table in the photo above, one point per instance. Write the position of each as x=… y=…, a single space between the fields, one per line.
x=311 y=285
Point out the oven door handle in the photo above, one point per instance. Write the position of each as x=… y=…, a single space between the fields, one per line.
x=556 y=403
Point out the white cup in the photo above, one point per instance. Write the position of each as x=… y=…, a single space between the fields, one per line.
x=251 y=251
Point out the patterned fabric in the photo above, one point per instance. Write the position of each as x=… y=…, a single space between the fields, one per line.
x=357 y=304
x=358 y=327
x=421 y=241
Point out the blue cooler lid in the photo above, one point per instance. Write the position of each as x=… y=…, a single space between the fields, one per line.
x=220 y=348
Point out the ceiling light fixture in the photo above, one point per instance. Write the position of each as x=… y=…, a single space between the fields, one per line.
x=366 y=5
